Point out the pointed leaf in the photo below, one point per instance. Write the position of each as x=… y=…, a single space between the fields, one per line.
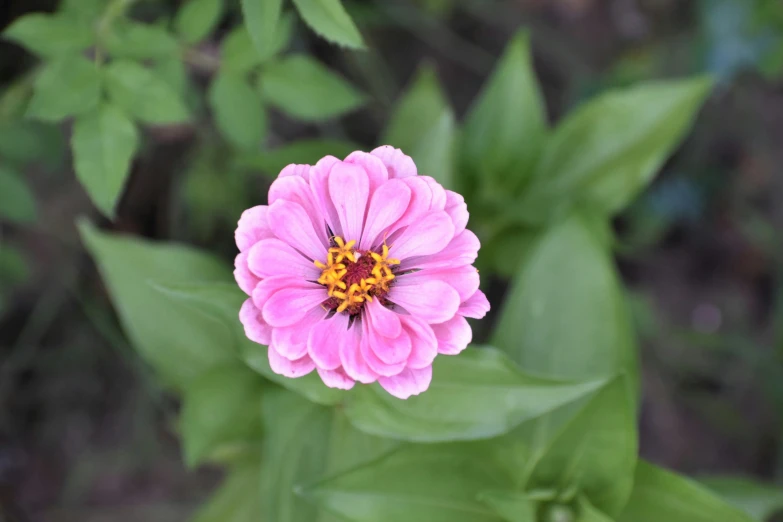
x=143 y=94
x=329 y=20
x=197 y=19
x=512 y=506
x=755 y=498
x=137 y=41
x=262 y=18
x=588 y=513
x=67 y=86
x=51 y=34
x=239 y=113
x=17 y=202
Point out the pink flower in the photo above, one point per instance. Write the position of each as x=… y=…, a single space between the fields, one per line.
x=359 y=269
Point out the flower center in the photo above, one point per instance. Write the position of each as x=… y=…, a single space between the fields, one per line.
x=353 y=276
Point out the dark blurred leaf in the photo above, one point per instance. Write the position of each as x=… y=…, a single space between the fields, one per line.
x=196 y=19
x=237 y=499
x=262 y=18
x=609 y=149
x=137 y=41
x=506 y=126
x=238 y=111
x=479 y=394
x=512 y=506
x=26 y=141
x=17 y=202
x=66 y=86
x=306 y=152
x=14 y=267
x=50 y=35
x=423 y=126
x=179 y=342
x=329 y=20
x=220 y=412
x=104 y=143
x=660 y=495
x=143 y=94
x=305 y=89
x=755 y=498
x=588 y=513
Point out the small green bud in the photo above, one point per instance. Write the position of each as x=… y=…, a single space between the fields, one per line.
x=558 y=513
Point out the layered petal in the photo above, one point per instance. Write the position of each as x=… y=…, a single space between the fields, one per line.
x=252 y=227
x=246 y=279
x=373 y=167
x=428 y=235
x=256 y=329
x=408 y=382
x=424 y=344
x=289 y=305
x=433 y=301
x=367 y=347
x=336 y=379
x=453 y=336
x=476 y=306
x=397 y=163
x=291 y=224
x=353 y=361
x=296 y=189
x=325 y=340
x=292 y=369
x=387 y=206
x=349 y=189
x=461 y=250
x=463 y=279
x=457 y=209
x=271 y=257
x=291 y=341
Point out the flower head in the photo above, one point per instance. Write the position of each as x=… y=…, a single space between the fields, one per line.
x=360 y=269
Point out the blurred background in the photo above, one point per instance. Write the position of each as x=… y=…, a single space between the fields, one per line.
x=87 y=434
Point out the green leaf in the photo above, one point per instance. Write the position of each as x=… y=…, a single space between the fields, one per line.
x=50 y=35
x=66 y=86
x=609 y=149
x=17 y=202
x=433 y=483
x=300 y=151
x=180 y=343
x=755 y=498
x=479 y=394
x=506 y=126
x=174 y=72
x=197 y=19
x=328 y=19
x=512 y=506
x=237 y=499
x=588 y=513
x=104 y=143
x=423 y=126
x=305 y=89
x=221 y=302
x=660 y=495
x=262 y=18
x=307 y=441
x=23 y=141
x=239 y=113
x=239 y=54
x=143 y=94
x=137 y=41
x=220 y=411
x=14 y=267
x=85 y=9
x=595 y=453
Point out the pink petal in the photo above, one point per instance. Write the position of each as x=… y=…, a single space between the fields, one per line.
x=291 y=341
x=429 y=235
x=408 y=382
x=246 y=280
x=461 y=250
x=370 y=357
x=269 y=285
x=302 y=171
x=293 y=369
x=458 y=210
x=353 y=360
x=256 y=328
x=272 y=257
x=476 y=306
x=372 y=165
x=398 y=164
x=464 y=279
x=252 y=227
x=421 y=199
x=423 y=341
x=391 y=351
x=319 y=186
x=289 y=305
x=388 y=204
x=453 y=335
x=433 y=301
x=382 y=320
x=325 y=339
x=438 y=193
x=336 y=379
x=297 y=190
x=349 y=188
x=290 y=222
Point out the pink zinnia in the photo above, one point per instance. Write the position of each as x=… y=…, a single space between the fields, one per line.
x=359 y=269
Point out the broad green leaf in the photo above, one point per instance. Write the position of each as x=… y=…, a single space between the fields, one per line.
x=304 y=442
x=422 y=125
x=755 y=498
x=66 y=86
x=512 y=506
x=137 y=41
x=104 y=143
x=300 y=151
x=23 y=141
x=84 y=9
x=180 y=343
x=305 y=89
x=565 y=316
x=660 y=495
x=595 y=453
x=220 y=412
x=174 y=72
x=238 y=111
x=17 y=202
x=237 y=499
x=479 y=394
x=433 y=483
x=50 y=34
x=329 y=20
x=608 y=150
x=238 y=52
x=221 y=302
x=506 y=127
x=196 y=19
x=588 y=513
x=262 y=18
x=143 y=94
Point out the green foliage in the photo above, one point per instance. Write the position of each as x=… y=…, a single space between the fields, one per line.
x=196 y=19
x=104 y=143
x=237 y=53
x=329 y=20
x=143 y=94
x=137 y=41
x=237 y=499
x=262 y=18
x=302 y=151
x=305 y=89
x=512 y=506
x=67 y=86
x=758 y=500
x=238 y=111
x=50 y=35
x=16 y=200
